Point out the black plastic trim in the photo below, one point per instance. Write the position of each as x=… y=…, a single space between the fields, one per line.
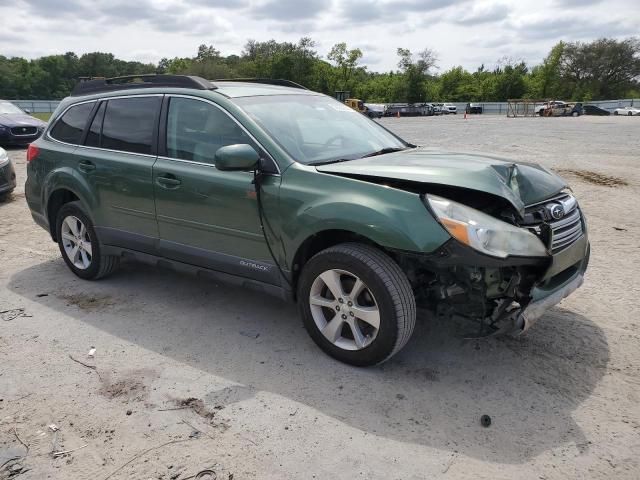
x=279 y=292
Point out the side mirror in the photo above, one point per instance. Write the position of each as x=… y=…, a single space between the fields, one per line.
x=237 y=158
x=28 y=112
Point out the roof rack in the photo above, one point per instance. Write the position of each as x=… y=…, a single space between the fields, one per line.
x=268 y=81
x=140 y=81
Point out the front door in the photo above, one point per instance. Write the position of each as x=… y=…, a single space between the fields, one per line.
x=207 y=217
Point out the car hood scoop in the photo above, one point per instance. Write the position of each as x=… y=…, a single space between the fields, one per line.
x=519 y=183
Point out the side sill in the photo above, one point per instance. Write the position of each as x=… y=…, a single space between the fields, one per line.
x=255 y=285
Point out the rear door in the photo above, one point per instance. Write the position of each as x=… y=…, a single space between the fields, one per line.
x=117 y=160
x=207 y=217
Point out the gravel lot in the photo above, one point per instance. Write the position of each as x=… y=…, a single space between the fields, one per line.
x=234 y=382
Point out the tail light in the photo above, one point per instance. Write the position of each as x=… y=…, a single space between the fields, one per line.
x=32 y=152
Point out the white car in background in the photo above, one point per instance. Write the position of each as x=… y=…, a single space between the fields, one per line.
x=448 y=108
x=629 y=111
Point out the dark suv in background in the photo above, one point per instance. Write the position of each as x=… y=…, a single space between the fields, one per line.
x=17 y=127
x=271 y=186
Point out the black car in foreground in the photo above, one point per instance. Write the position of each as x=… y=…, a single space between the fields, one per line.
x=18 y=127
x=7 y=175
x=593 y=110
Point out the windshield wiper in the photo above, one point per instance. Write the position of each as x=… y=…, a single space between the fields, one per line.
x=327 y=162
x=384 y=151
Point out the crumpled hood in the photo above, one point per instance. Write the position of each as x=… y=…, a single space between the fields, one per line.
x=519 y=183
x=20 y=120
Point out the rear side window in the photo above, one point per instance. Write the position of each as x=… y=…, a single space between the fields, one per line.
x=95 y=130
x=129 y=124
x=70 y=127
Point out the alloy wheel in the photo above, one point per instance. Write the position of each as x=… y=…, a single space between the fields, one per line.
x=76 y=242
x=344 y=309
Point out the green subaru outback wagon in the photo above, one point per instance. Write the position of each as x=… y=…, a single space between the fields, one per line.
x=268 y=185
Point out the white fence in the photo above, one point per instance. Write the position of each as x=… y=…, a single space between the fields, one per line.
x=497 y=108
x=37 y=106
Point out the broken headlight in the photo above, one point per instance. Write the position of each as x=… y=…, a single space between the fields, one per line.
x=483 y=232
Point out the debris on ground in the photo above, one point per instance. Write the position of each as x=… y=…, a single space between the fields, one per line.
x=11 y=461
x=65 y=452
x=620 y=229
x=253 y=335
x=131 y=388
x=53 y=427
x=197 y=406
x=89 y=303
x=92 y=367
x=92 y=352
x=8 y=315
x=485 y=420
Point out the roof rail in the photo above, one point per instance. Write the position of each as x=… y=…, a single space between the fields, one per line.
x=88 y=87
x=268 y=81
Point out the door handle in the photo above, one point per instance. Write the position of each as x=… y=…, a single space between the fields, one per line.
x=168 y=181
x=86 y=166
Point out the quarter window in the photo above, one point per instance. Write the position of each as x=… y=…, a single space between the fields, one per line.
x=70 y=127
x=196 y=130
x=129 y=124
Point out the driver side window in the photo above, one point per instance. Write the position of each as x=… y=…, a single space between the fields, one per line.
x=196 y=130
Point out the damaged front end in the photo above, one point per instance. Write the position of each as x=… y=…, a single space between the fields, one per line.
x=455 y=281
x=500 y=291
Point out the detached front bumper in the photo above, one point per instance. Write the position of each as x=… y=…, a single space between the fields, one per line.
x=551 y=293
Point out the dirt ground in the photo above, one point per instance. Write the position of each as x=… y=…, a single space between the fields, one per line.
x=189 y=374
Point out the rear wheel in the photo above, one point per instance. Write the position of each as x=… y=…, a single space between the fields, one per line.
x=79 y=244
x=356 y=304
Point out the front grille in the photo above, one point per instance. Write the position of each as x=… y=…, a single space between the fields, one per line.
x=24 y=131
x=566 y=231
x=557 y=234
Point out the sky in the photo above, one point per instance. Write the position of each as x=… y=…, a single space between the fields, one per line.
x=462 y=32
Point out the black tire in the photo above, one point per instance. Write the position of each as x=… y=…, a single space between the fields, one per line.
x=629 y=114
x=101 y=265
x=615 y=113
x=541 y=112
x=390 y=288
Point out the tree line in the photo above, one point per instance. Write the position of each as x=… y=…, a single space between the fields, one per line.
x=602 y=69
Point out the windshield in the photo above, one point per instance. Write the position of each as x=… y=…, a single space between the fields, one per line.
x=6 y=107
x=317 y=129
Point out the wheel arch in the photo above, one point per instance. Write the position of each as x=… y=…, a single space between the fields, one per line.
x=61 y=187
x=322 y=240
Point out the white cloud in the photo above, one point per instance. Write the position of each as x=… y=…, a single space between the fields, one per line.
x=463 y=32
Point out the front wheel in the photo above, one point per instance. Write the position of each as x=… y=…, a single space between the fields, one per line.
x=615 y=113
x=629 y=114
x=357 y=304
x=79 y=244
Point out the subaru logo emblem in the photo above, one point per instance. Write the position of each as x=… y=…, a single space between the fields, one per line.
x=556 y=210
x=24 y=129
